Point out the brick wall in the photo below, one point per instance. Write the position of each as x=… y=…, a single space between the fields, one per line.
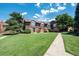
x=1 y=27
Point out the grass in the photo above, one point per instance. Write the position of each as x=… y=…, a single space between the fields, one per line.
x=26 y=44
x=71 y=43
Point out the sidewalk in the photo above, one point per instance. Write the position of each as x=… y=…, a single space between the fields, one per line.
x=57 y=48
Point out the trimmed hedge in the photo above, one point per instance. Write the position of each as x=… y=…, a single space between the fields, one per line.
x=27 y=31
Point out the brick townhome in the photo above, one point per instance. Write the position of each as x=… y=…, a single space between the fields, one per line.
x=2 y=26
x=36 y=26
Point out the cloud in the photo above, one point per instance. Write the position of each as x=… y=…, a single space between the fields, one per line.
x=39 y=17
x=50 y=4
x=61 y=8
x=53 y=10
x=24 y=13
x=64 y=4
x=44 y=12
x=57 y=10
x=73 y=4
x=51 y=19
x=38 y=4
x=57 y=4
x=35 y=17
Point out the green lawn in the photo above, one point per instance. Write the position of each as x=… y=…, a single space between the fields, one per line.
x=26 y=44
x=71 y=43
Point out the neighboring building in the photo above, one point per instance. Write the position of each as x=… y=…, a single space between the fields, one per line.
x=36 y=26
x=53 y=26
x=2 y=26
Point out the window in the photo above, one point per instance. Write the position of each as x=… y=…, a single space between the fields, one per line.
x=45 y=25
x=37 y=24
x=27 y=23
x=33 y=23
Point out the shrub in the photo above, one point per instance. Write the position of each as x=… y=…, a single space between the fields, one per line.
x=50 y=30
x=45 y=31
x=27 y=31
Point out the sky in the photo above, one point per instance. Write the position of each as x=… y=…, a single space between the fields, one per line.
x=37 y=11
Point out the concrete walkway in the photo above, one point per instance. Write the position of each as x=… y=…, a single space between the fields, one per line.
x=57 y=48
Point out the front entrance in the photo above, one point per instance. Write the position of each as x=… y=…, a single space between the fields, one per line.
x=33 y=29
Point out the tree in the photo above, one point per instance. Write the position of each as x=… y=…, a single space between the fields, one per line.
x=15 y=22
x=17 y=16
x=64 y=21
x=76 y=25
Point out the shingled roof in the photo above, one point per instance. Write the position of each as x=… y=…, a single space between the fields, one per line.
x=27 y=20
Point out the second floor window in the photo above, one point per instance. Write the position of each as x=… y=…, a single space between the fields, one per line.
x=45 y=25
x=27 y=23
x=37 y=24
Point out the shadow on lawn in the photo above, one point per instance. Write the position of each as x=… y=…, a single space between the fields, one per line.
x=70 y=33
